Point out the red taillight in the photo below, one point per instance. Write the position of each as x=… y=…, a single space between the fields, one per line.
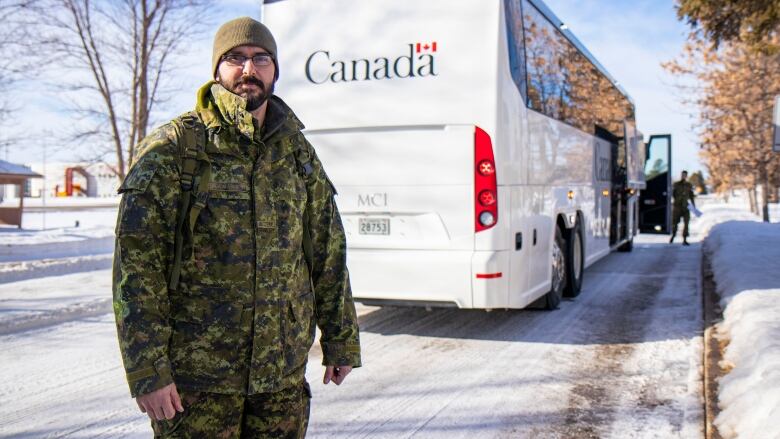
x=486 y=168
x=485 y=184
x=487 y=198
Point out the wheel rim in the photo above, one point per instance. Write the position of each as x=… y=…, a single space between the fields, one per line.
x=577 y=256
x=558 y=267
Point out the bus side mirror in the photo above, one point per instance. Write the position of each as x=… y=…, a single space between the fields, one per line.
x=776 y=124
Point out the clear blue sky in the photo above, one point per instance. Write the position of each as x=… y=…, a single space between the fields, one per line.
x=630 y=38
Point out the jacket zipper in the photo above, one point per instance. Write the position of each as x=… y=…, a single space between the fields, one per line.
x=253 y=202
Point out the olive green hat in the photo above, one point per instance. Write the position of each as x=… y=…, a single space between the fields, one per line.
x=243 y=31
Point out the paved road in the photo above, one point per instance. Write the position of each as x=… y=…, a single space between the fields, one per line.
x=622 y=361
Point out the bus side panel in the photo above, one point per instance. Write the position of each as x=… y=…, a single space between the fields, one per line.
x=511 y=138
x=562 y=161
x=544 y=160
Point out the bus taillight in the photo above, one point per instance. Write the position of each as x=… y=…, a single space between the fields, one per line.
x=487 y=198
x=486 y=168
x=485 y=183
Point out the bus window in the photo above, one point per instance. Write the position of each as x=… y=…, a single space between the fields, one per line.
x=515 y=44
x=564 y=84
x=547 y=91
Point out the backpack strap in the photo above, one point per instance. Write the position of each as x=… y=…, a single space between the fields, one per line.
x=303 y=159
x=194 y=157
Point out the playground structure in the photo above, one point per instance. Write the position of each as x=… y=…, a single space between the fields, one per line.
x=76 y=189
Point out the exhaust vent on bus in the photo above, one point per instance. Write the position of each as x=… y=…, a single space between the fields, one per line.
x=485 y=183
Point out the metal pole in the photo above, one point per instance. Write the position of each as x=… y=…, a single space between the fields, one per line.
x=43 y=193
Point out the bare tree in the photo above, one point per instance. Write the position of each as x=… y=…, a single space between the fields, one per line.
x=126 y=48
x=14 y=34
x=736 y=86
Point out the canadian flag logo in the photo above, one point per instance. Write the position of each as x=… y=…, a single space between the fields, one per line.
x=426 y=47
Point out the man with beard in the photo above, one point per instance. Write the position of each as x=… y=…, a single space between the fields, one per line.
x=229 y=250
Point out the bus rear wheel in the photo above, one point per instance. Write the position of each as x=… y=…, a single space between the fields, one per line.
x=558 y=279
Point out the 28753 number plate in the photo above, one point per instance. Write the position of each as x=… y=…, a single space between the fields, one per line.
x=374 y=226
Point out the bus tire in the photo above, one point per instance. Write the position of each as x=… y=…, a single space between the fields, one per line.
x=627 y=246
x=575 y=261
x=558 y=275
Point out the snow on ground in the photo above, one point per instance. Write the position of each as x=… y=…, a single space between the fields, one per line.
x=610 y=364
x=744 y=255
x=49 y=242
x=58 y=226
x=62 y=202
x=621 y=360
x=43 y=302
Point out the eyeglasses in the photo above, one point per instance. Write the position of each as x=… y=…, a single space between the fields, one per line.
x=259 y=60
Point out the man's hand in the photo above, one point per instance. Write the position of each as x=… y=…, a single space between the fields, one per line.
x=336 y=374
x=161 y=404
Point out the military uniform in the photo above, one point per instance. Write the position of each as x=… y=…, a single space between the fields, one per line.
x=238 y=328
x=682 y=191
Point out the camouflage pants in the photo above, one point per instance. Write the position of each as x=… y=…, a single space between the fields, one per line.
x=678 y=213
x=284 y=414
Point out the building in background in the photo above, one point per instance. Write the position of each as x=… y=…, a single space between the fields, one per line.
x=95 y=180
x=18 y=177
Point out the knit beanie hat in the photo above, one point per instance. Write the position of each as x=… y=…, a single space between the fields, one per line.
x=240 y=32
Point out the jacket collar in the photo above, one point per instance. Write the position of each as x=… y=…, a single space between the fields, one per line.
x=220 y=110
x=280 y=121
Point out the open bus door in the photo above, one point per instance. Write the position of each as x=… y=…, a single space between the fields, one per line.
x=618 y=229
x=655 y=201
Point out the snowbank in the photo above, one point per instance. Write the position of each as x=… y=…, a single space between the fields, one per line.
x=744 y=256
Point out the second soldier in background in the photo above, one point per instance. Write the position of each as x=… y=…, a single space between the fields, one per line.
x=682 y=191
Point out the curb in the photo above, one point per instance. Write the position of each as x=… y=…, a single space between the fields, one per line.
x=713 y=350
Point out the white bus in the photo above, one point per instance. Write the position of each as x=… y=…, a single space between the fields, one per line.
x=482 y=157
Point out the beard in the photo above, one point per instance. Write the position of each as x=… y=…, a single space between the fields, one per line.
x=254 y=99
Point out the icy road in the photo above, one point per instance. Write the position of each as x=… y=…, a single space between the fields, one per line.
x=620 y=361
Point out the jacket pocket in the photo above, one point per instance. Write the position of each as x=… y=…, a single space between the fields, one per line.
x=208 y=342
x=289 y=204
x=299 y=330
x=222 y=246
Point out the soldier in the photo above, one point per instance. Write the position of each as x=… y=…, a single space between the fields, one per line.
x=682 y=191
x=229 y=249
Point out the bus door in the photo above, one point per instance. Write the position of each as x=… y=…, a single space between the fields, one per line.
x=618 y=185
x=655 y=201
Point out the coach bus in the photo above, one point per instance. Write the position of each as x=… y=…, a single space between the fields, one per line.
x=483 y=158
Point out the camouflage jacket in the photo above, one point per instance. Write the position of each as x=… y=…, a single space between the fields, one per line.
x=243 y=317
x=682 y=192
